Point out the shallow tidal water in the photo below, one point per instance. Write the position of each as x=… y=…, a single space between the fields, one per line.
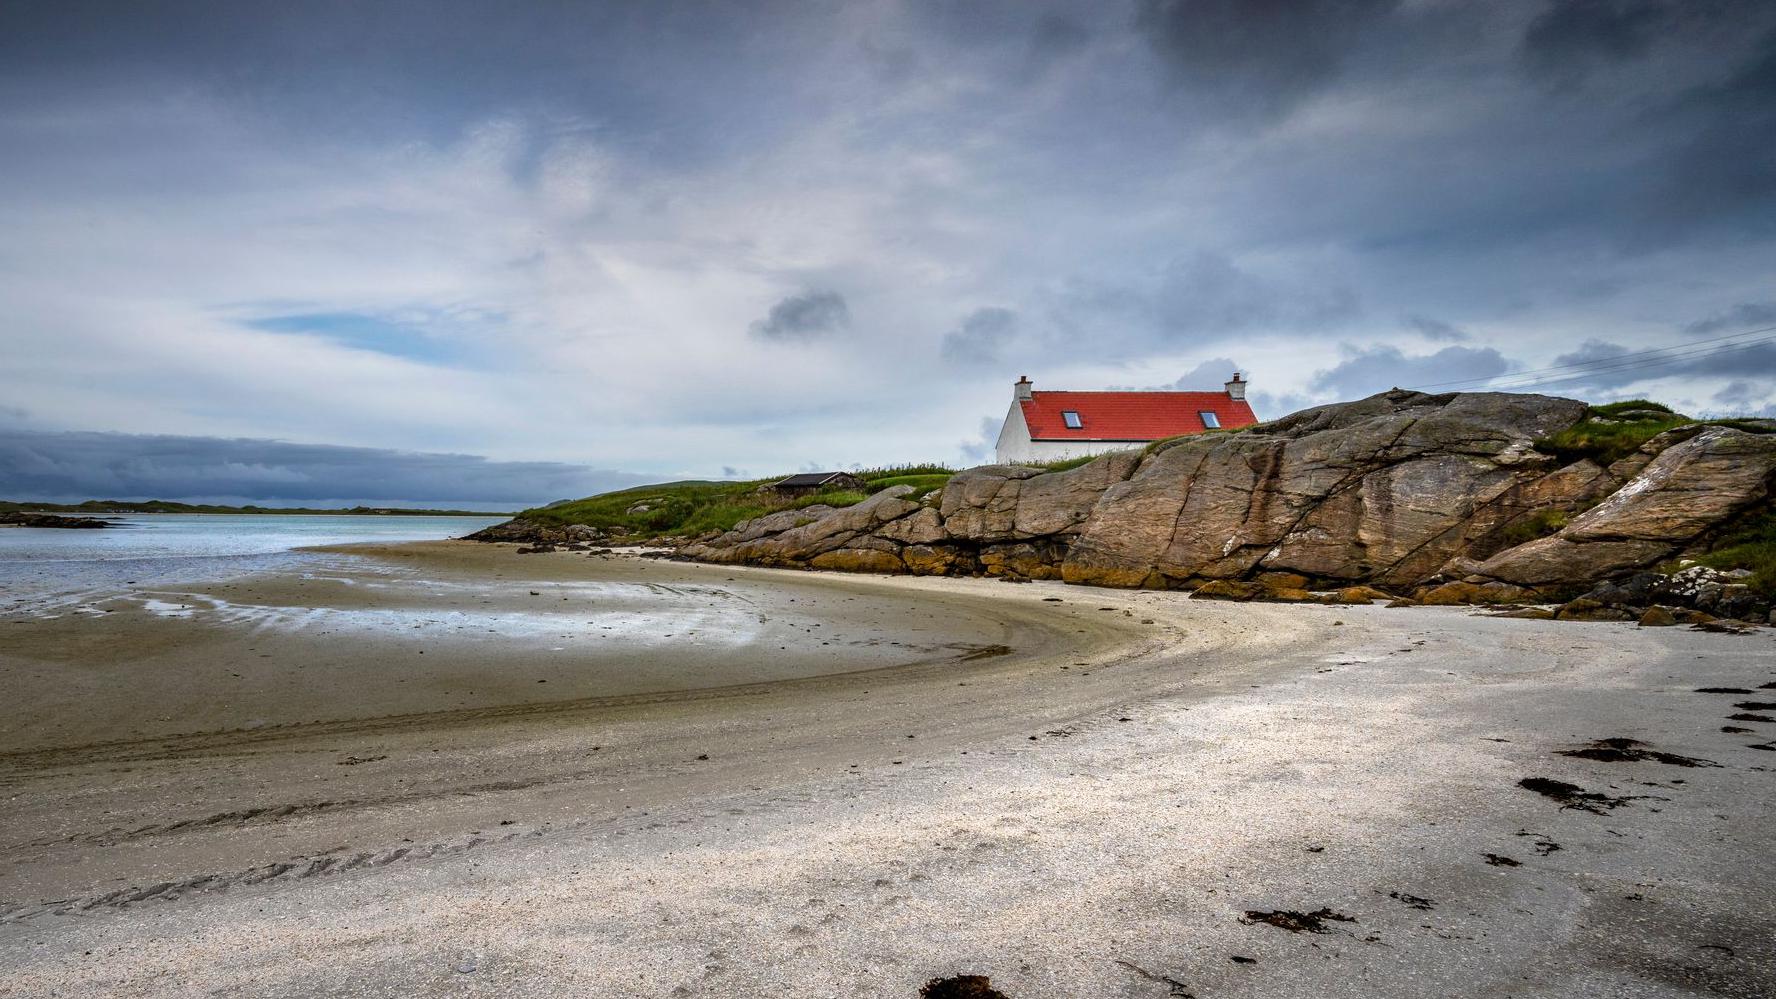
x=43 y=568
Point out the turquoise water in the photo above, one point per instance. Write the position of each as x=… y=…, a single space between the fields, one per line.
x=41 y=564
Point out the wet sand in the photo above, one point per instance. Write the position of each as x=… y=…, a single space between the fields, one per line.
x=1076 y=792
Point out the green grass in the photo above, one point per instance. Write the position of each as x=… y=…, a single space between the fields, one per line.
x=1604 y=437
x=1750 y=545
x=1607 y=434
x=1616 y=409
x=693 y=507
x=1539 y=524
x=1066 y=463
x=923 y=484
x=672 y=508
x=876 y=475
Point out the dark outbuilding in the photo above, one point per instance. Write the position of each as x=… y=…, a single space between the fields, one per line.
x=806 y=483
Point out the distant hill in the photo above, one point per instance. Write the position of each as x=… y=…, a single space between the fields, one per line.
x=168 y=506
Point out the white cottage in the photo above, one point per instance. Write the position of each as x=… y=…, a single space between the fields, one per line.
x=1053 y=426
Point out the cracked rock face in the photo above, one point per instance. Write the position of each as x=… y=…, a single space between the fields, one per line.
x=1689 y=488
x=1385 y=490
x=1398 y=490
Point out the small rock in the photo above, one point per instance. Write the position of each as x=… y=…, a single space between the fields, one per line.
x=1227 y=589
x=1657 y=617
x=1587 y=609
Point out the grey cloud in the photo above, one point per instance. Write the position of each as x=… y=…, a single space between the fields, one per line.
x=68 y=465
x=1623 y=366
x=981 y=339
x=1276 y=405
x=1741 y=394
x=1055 y=37
x=1436 y=329
x=1366 y=372
x=804 y=318
x=1743 y=317
x=1208 y=292
x=979 y=451
x=1263 y=56
x=1207 y=376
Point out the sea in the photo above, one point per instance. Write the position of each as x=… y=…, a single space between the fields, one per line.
x=43 y=567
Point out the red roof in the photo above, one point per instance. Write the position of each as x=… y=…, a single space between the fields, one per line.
x=1130 y=416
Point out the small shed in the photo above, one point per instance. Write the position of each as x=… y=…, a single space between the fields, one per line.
x=808 y=483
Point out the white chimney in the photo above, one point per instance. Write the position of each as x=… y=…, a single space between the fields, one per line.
x=1236 y=389
x=1021 y=389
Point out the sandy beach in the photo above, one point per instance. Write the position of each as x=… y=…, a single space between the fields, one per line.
x=447 y=769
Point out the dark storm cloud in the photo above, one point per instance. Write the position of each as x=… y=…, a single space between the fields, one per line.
x=804 y=318
x=413 y=67
x=982 y=337
x=1436 y=329
x=60 y=466
x=1725 y=168
x=1259 y=55
x=1563 y=43
x=1740 y=318
x=1366 y=372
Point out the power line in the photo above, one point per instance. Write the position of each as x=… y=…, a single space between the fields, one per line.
x=1631 y=359
x=1609 y=365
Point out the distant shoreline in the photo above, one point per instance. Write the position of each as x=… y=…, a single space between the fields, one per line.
x=104 y=507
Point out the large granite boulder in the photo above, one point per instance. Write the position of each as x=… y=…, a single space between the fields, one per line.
x=1383 y=490
x=1000 y=503
x=848 y=538
x=1691 y=487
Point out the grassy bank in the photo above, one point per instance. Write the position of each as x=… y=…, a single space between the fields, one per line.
x=693 y=507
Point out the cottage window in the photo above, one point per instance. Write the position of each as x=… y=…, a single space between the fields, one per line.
x=1210 y=420
x=1071 y=419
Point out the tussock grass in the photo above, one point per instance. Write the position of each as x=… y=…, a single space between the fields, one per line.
x=1749 y=545
x=1066 y=463
x=1612 y=431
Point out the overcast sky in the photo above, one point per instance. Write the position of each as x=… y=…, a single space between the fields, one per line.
x=703 y=239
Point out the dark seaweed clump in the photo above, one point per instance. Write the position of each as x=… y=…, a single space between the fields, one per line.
x=1571 y=795
x=1297 y=922
x=961 y=987
x=1620 y=750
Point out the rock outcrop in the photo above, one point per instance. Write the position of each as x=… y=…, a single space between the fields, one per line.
x=538 y=533
x=1678 y=496
x=22 y=519
x=1437 y=495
